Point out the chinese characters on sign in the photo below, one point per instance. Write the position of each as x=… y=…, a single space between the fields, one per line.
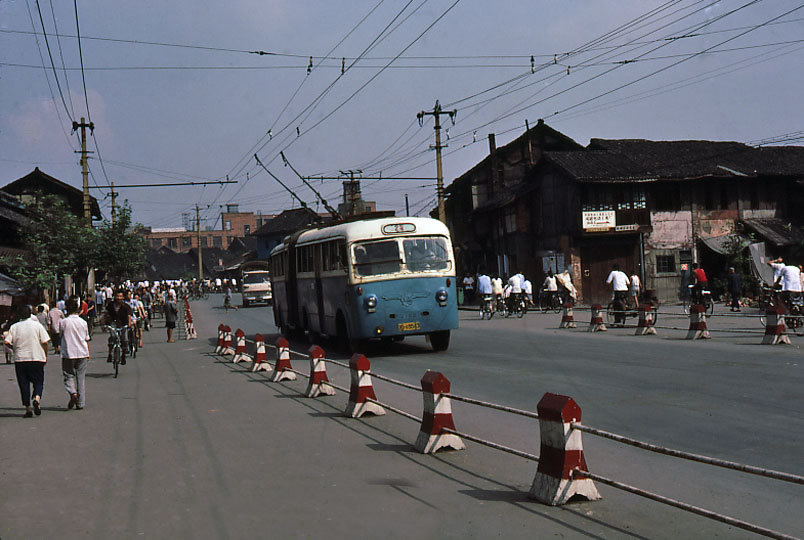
x=598 y=221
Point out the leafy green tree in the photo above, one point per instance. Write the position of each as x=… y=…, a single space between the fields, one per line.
x=119 y=251
x=58 y=243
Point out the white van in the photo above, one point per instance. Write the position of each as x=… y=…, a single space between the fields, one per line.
x=255 y=280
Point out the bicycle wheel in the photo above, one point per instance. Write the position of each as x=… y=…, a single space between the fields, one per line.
x=710 y=308
x=685 y=306
x=610 y=315
x=116 y=360
x=523 y=308
x=558 y=303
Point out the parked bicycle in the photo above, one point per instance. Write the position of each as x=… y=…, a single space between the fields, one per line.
x=701 y=297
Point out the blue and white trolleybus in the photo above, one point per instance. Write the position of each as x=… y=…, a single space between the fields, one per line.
x=374 y=278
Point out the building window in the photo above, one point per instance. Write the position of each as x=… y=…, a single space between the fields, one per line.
x=173 y=243
x=203 y=241
x=667 y=198
x=217 y=241
x=186 y=242
x=246 y=230
x=228 y=224
x=510 y=219
x=665 y=264
x=156 y=242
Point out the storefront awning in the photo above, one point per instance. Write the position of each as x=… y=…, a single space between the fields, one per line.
x=777 y=232
x=726 y=244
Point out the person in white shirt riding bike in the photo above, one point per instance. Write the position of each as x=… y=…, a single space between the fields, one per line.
x=619 y=285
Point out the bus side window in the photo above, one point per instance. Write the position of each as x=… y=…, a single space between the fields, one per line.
x=342 y=261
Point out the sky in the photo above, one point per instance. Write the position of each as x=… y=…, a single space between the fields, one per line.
x=177 y=92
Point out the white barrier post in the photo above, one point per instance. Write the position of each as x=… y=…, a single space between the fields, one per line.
x=240 y=348
x=227 y=341
x=560 y=452
x=698 y=328
x=775 y=329
x=282 y=367
x=568 y=318
x=646 y=321
x=361 y=389
x=319 y=382
x=260 y=358
x=596 y=322
x=437 y=416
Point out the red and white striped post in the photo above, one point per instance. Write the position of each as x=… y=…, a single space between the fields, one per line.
x=219 y=347
x=596 y=322
x=227 y=341
x=698 y=328
x=646 y=321
x=240 y=346
x=568 y=318
x=560 y=452
x=361 y=389
x=191 y=333
x=282 y=367
x=437 y=416
x=775 y=329
x=319 y=382
x=260 y=358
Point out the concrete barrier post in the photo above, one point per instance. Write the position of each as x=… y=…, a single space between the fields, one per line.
x=260 y=358
x=227 y=341
x=437 y=416
x=282 y=367
x=240 y=347
x=646 y=321
x=568 y=318
x=361 y=389
x=596 y=322
x=219 y=347
x=698 y=328
x=775 y=329
x=191 y=333
x=560 y=452
x=319 y=382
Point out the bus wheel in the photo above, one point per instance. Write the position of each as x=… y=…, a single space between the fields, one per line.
x=440 y=340
x=342 y=338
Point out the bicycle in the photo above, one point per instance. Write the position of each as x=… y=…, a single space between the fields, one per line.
x=117 y=349
x=133 y=344
x=794 y=312
x=550 y=300
x=702 y=297
x=629 y=310
x=487 y=307
x=518 y=306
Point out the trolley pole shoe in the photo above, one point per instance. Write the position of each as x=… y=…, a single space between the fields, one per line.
x=596 y=322
x=568 y=318
x=227 y=341
x=437 y=416
x=260 y=358
x=698 y=323
x=240 y=349
x=319 y=382
x=561 y=451
x=775 y=329
x=219 y=347
x=646 y=321
x=282 y=367
x=361 y=389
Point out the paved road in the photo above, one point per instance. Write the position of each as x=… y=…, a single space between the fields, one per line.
x=185 y=445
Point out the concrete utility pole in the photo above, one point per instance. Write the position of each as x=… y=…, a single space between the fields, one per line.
x=437 y=112
x=198 y=237
x=113 y=195
x=84 y=167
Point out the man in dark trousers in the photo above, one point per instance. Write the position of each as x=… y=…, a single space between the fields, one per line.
x=171 y=314
x=118 y=314
x=735 y=285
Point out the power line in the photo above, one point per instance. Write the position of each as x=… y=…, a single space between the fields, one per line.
x=61 y=56
x=52 y=64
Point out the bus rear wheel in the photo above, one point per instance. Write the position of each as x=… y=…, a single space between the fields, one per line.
x=440 y=340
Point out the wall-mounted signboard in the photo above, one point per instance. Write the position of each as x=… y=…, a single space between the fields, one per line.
x=602 y=220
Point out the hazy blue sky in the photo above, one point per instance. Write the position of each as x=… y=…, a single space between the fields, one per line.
x=168 y=113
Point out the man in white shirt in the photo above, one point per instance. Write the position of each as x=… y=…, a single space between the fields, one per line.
x=790 y=280
x=29 y=341
x=74 y=354
x=619 y=285
x=527 y=289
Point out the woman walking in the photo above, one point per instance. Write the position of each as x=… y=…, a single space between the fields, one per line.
x=29 y=340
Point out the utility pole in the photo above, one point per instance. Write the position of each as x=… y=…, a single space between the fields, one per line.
x=437 y=112
x=113 y=195
x=84 y=168
x=407 y=205
x=198 y=237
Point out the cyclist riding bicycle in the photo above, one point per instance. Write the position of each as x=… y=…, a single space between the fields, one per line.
x=484 y=289
x=790 y=281
x=118 y=315
x=516 y=291
x=550 y=287
x=700 y=283
x=619 y=285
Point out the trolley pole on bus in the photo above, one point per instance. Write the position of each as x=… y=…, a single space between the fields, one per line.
x=437 y=112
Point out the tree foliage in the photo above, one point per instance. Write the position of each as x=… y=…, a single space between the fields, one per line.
x=119 y=251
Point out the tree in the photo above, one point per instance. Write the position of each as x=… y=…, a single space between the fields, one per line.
x=119 y=251
x=58 y=243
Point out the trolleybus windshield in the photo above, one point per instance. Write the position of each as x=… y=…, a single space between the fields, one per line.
x=421 y=254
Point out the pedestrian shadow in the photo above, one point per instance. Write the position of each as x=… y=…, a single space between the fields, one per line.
x=99 y=375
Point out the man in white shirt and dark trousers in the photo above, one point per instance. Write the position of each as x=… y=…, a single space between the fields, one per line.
x=29 y=340
x=619 y=285
x=74 y=354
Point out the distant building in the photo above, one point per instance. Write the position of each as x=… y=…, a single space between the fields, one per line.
x=26 y=188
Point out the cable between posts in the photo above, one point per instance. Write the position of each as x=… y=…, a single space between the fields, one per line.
x=522 y=412
x=769 y=473
x=490 y=444
x=683 y=506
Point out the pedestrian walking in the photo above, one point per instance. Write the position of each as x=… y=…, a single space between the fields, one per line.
x=635 y=287
x=735 y=286
x=469 y=289
x=41 y=315
x=171 y=314
x=29 y=342
x=74 y=354
x=54 y=317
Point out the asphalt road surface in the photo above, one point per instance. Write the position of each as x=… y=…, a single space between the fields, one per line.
x=187 y=445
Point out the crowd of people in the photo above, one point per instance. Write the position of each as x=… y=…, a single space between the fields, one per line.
x=509 y=289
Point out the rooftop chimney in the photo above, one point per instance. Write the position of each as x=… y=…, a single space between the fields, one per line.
x=492 y=143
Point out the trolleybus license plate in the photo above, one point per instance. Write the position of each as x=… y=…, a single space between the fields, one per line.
x=409 y=326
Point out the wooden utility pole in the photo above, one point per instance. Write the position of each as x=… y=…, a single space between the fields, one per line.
x=437 y=112
x=84 y=167
x=113 y=195
x=198 y=237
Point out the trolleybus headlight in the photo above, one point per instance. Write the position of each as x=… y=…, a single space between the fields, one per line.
x=379 y=330
x=441 y=297
x=371 y=303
